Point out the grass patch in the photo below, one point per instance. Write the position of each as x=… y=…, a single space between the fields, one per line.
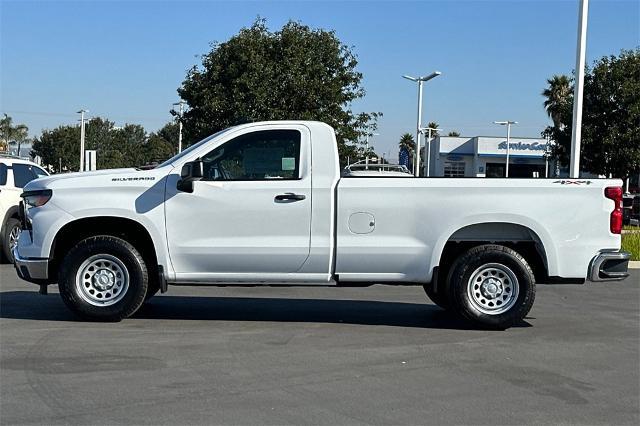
x=631 y=243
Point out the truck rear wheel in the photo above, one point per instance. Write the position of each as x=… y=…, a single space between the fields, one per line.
x=492 y=285
x=103 y=278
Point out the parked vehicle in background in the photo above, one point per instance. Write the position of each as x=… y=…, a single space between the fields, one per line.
x=366 y=168
x=15 y=173
x=264 y=203
x=631 y=209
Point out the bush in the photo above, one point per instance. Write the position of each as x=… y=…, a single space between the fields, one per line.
x=631 y=243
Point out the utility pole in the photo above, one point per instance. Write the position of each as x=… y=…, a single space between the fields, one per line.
x=180 y=112
x=420 y=81
x=576 y=130
x=507 y=123
x=81 y=112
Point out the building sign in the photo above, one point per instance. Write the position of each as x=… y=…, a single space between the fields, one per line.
x=528 y=147
x=523 y=146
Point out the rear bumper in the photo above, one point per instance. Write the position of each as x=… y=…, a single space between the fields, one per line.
x=32 y=270
x=609 y=266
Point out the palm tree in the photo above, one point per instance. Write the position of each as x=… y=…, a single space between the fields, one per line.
x=433 y=125
x=407 y=142
x=558 y=96
x=11 y=133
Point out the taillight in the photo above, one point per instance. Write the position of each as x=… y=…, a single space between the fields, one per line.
x=615 y=223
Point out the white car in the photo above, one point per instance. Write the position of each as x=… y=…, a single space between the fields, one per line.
x=15 y=173
x=264 y=203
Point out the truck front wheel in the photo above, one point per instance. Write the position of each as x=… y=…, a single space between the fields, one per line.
x=103 y=278
x=492 y=285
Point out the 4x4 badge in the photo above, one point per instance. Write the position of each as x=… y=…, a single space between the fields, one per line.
x=573 y=182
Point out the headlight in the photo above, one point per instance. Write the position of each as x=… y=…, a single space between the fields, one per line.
x=36 y=198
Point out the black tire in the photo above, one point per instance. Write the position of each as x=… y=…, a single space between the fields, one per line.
x=132 y=297
x=12 y=223
x=441 y=298
x=492 y=260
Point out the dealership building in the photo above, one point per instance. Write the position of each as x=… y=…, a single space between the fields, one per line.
x=485 y=156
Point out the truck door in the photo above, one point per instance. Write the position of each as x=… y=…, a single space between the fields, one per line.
x=251 y=213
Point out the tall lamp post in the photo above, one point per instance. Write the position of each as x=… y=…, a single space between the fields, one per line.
x=180 y=112
x=576 y=128
x=81 y=112
x=420 y=81
x=508 y=124
x=367 y=140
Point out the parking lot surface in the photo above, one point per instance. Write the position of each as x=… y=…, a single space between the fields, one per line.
x=378 y=355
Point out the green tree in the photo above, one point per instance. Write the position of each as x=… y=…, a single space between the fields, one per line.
x=116 y=147
x=558 y=95
x=9 y=132
x=157 y=149
x=407 y=142
x=296 y=73
x=433 y=125
x=59 y=146
x=169 y=132
x=611 y=117
x=454 y=133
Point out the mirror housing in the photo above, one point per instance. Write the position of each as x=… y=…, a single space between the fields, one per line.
x=191 y=172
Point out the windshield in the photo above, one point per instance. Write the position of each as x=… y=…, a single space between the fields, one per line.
x=193 y=148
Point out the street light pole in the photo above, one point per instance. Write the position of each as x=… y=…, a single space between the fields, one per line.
x=81 y=112
x=420 y=81
x=576 y=129
x=367 y=140
x=181 y=104
x=507 y=123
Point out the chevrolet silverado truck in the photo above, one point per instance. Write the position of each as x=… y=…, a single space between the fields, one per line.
x=264 y=204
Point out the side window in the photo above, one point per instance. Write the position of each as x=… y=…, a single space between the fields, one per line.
x=262 y=155
x=3 y=174
x=22 y=175
x=38 y=172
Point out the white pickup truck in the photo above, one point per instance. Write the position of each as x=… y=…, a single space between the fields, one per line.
x=264 y=203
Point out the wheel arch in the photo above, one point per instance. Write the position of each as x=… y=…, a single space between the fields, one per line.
x=12 y=212
x=536 y=249
x=128 y=229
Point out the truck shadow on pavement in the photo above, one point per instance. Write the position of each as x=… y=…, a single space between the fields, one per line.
x=32 y=306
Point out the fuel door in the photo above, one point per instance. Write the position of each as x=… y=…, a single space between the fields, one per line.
x=362 y=223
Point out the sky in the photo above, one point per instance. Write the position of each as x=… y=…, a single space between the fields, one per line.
x=124 y=60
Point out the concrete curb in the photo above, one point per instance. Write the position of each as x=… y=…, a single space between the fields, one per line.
x=634 y=264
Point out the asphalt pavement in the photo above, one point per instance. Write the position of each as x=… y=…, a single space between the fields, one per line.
x=377 y=355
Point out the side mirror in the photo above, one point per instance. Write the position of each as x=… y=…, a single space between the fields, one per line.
x=191 y=172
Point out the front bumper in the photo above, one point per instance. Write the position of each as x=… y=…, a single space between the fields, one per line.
x=32 y=270
x=609 y=266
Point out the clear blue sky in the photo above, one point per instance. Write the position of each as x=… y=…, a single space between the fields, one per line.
x=124 y=60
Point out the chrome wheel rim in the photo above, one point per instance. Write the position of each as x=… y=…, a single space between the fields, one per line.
x=102 y=280
x=493 y=289
x=14 y=234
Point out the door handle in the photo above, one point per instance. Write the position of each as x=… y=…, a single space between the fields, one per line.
x=290 y=196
